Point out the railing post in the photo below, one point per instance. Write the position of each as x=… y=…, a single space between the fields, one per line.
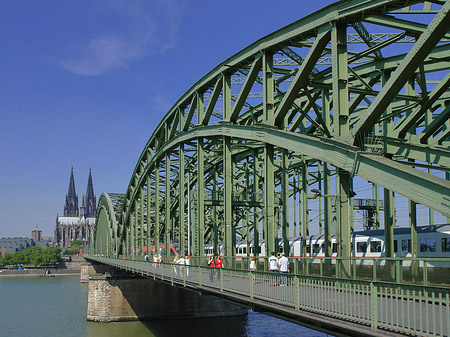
x=297 y=293
x=373 y=307
x=221 y=279
x=354 y=268
x=251 y=285
x=398 y=266
x=374 y=270
x=425 y=273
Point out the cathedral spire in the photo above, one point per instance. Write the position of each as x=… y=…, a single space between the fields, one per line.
x=89 y=202
x=71 y=206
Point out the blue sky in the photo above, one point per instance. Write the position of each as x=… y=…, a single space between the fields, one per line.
x=84 y=83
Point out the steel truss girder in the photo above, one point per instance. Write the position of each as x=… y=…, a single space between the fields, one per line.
x=298 y=106
x=418 y=186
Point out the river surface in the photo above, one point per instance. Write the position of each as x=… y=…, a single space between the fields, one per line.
x=31 y=306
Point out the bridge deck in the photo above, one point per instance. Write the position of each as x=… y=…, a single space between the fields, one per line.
x=339 y=306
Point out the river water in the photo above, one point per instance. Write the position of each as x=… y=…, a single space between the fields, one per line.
x=32 y=306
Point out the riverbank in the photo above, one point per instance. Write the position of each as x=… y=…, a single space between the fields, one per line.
x=69 y=266
x=37 y=272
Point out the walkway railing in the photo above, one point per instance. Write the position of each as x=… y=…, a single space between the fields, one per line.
x=415 y=310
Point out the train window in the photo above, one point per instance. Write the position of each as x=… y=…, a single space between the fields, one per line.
x=316 y=248
x=334 y=248
x=361 y=247
x=252 y=250
x=446 y=244
x=395 y=246
x=427 y=245
x=244 y=250
x=375 y=247
x=308 y=249
x=406 y=246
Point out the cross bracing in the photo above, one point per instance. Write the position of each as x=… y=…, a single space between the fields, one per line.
x=357 y=89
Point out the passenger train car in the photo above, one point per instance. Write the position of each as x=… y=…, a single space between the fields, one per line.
x=432 y=242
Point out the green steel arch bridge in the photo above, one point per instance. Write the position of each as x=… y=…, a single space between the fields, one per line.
x=357 y=92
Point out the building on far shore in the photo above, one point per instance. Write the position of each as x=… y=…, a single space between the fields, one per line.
x=36 y=234
x=77 y=222
x=12 y=245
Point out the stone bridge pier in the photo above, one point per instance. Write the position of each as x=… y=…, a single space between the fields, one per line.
x=115 y=296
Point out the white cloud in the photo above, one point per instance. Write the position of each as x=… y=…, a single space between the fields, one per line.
x=134 y=30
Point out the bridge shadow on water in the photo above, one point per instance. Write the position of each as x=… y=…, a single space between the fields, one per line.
x=218 y=326
x=251 y=325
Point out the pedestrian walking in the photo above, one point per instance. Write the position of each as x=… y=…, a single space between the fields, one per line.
x=187 y=262
x=284 y=269
x=211 y=264
x=273 y=267
x=219 y=265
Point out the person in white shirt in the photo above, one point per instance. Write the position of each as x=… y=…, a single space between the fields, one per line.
x=273 y=266
x=284 y=269
x=187 y=263
x=181 y=262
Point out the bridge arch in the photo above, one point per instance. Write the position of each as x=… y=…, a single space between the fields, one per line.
x=106 y=236
x=356 y=89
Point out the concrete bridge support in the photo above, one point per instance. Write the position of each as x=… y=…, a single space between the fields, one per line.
x=116 y=297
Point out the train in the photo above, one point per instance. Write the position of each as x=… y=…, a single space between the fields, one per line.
x=432 y=242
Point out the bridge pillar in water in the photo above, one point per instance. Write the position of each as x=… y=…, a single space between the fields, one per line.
x=126 y=297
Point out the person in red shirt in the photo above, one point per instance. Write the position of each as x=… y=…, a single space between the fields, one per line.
x=219 y=264
x=211 y=264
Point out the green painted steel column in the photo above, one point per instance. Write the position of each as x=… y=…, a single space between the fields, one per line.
x=294 y=202
x=137 y=227
x=226 y=95
x=285 y=200
x=247 y=210
x=168 y=218
x=268 y=86
x=270 y=227
x=215 y=217
x=319 y=184
x=388 y=123
x=256 y=199
x=157 y=221
x=343 y=205
x=305 y=204
x=230 y=235
x=200 y=196
x=181 y=200
x=430 y=210
x=340 y=79
x=389 y=224
x=413 y=226
x=328 y=212
x=133 y=233
x=200 y=107
x=376 y=197
x=141 y=208
x=148 y=210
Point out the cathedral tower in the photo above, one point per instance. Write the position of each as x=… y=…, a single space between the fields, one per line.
x=89 y=202
x=71 y=206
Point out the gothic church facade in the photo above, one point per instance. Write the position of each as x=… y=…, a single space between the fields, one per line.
x=77 y=222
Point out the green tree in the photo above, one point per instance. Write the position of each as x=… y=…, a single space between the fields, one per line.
x=76 y=243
